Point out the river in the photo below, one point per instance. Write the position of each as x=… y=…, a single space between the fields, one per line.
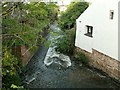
x=38 y=75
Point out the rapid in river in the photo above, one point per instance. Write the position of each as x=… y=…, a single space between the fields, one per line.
x=50 y=69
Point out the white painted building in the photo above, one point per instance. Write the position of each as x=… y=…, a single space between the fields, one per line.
x=97 y=28
x=63 y=4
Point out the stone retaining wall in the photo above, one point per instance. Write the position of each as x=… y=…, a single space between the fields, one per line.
x=103 y=62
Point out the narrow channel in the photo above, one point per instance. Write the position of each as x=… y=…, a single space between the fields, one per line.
x=55 y=75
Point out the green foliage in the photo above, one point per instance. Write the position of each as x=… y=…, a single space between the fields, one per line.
x=68 y=18
x=22 y=25
x=65 y=44
x=66 y=22
x=10 y=69
x=15 y=86
x=82 y=57
x=9 y=63
x=8 y=80
x=53 y=11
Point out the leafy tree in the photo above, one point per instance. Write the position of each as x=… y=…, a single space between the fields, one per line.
x=22 y=24
x=68 y=18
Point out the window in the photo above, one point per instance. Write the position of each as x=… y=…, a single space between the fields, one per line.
x=89 y=31
x=111 y=14
x=55 y=2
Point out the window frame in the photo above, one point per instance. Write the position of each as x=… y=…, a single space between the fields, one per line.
x=89 y=31
x=111 y=15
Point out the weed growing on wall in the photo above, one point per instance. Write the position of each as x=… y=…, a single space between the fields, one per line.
x=82 y=57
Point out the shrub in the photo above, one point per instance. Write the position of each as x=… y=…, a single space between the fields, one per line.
x=65 y=44
x=82 y=57
x=66 y=22
x=22 y=25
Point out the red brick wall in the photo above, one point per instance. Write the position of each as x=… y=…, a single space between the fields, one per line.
x=25 y=56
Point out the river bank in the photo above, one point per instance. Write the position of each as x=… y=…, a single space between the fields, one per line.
x=38 y=75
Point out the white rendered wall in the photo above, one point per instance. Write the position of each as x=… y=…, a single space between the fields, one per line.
x=83 y=41
x=105 y=30
x=87 y=18
x=119 y=30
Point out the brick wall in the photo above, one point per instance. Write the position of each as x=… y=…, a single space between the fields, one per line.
x=20 y=52
x=25 y=55
x=103 y=62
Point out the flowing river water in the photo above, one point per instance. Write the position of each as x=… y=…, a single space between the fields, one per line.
x=58 y=72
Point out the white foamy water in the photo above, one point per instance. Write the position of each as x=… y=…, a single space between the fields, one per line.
x=55 y=57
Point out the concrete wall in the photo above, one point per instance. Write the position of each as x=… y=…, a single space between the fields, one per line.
x=105 y=30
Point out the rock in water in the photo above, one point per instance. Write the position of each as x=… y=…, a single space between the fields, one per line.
x=65 y=59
